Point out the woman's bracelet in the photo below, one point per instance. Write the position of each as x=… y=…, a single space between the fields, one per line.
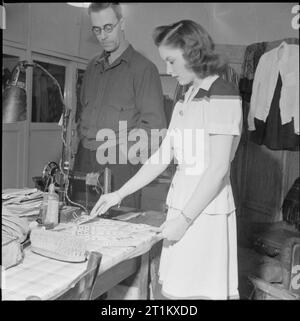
x=188 y=219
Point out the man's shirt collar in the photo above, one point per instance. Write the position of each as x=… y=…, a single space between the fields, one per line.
x=125 y=56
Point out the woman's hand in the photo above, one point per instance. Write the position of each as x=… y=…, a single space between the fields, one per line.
x=105 y=202
x=174 y=229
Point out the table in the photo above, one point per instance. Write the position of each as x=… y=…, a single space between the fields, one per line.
x=49 y=279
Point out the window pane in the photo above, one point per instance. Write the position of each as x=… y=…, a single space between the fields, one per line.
x=80 y=74
x=46 y=103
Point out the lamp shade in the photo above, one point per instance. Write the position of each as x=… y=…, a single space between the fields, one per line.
x=14 y=98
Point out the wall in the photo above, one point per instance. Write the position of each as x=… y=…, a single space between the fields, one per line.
x=61 y=28
x=54 y=28
x=228 y=23
x=17 y=23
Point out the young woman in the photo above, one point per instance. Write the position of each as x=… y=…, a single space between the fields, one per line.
x=199 y=256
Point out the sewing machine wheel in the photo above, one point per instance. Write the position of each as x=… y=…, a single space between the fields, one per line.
x=51 y=170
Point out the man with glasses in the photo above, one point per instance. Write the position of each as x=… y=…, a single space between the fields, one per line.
x=120 y=84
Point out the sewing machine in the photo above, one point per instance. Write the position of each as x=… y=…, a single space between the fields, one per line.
x=78 y=191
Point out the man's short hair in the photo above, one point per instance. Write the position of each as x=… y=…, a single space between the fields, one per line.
x=98 y=6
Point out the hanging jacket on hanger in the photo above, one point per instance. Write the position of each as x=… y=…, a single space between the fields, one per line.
x=252 y=55
x=273 y=117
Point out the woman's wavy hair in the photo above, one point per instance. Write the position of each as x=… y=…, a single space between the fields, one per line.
x=196 y=44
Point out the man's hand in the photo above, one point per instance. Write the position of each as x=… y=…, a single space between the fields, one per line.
x=105 y=202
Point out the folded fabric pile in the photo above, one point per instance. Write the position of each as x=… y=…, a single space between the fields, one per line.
x=24 y=202
x=15 y=231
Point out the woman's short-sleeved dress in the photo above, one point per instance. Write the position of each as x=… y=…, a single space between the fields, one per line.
x=203 y=263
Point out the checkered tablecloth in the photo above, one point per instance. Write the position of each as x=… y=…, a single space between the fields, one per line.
x=48 y=278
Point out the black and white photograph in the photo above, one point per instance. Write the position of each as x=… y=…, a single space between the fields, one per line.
x=150 y=155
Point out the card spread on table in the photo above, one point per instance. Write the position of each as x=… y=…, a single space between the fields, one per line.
x=106 y=232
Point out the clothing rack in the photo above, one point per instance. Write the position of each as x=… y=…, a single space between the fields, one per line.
x=258 y=204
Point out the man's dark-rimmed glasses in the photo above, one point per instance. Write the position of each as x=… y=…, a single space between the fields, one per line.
x=108 y=28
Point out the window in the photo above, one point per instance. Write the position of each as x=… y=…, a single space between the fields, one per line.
x=46 y=102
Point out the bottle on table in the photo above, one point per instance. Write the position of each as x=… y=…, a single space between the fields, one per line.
x=52 y=214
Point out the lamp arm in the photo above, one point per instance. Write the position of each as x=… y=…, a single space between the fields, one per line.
x=54 y=80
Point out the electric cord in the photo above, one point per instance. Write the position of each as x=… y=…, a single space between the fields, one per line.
x=99 y=184
x=66 y=179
